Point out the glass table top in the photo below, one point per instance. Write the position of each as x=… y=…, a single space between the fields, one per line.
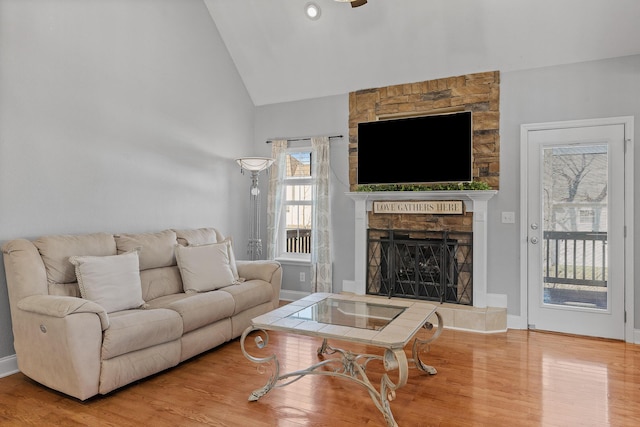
x=355 y=314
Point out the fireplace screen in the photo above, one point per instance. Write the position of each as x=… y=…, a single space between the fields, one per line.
x=428 y=265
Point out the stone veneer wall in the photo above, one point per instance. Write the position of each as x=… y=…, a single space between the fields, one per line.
x=479 y=93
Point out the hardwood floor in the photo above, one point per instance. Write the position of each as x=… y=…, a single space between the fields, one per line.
x=517 y=378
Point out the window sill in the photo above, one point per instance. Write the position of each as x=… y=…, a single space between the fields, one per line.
x=293 y=261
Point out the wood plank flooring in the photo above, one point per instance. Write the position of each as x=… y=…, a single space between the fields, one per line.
x=517 y=378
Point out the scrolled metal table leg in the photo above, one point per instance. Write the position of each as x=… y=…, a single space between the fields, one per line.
x=324 y=348
x=393 y=359
x=261 y=341
x=418 y=344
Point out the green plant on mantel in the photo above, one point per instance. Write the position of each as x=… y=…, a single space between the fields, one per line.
x=461 y=186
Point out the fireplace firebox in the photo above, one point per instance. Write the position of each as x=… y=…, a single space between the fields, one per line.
x=428 y=265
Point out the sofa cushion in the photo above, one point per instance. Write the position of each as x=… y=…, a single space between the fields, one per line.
x=119 y=371
x=133 y=330
x=158 y=282
x=232 y=260
x=206 y=236
x=205 y=268
x=199 y=236
x=156 y=249
x=249 y=294
x=197 y=310
x=64 y=289
x=112 y=281
x=56 y=250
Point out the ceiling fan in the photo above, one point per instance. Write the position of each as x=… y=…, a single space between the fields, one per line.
x=354 y=3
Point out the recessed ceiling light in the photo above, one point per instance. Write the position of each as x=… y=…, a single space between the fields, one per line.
x=312 y=10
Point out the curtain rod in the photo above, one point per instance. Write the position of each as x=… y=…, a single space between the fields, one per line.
x=269 y=141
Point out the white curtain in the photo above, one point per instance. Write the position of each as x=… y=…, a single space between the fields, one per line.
x=274 y=198
x=321 y=263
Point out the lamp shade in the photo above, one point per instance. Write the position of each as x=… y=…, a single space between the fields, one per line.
x=256 y=164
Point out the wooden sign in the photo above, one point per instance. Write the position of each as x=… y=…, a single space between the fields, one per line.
x=440 y=207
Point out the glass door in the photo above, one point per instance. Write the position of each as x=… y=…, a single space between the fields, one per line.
x=576 y=230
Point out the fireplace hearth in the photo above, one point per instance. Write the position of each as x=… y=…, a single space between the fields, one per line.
x=428 y=265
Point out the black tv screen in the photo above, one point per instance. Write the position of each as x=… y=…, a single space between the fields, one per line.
x=416 y=150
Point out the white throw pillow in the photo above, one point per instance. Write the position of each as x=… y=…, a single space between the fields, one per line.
x=112 y=281
x=232 y=260
x=205 y=267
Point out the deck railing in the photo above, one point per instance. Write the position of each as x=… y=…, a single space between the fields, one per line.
x=299 y=241
x=575 y=258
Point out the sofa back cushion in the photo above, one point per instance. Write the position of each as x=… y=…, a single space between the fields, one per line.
x=159 y=273
x=198 y=236
x=65 y=289
x=156 y=249
x=158 y=282
x=56 y=250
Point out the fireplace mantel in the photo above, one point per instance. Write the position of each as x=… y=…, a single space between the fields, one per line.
x=475 y=201
x=469 y=197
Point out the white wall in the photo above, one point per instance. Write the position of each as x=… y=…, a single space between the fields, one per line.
x=117 y=116
x=579 y=91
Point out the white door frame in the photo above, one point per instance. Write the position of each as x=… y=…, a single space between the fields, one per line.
x=627 y=121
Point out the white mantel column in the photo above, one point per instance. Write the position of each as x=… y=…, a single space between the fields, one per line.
x=361 y=226
x=479 y=253
x=475 y=201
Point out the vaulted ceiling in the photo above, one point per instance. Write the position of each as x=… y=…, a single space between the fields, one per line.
x=282 y=55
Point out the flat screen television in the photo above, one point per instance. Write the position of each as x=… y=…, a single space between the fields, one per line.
x=416 y=150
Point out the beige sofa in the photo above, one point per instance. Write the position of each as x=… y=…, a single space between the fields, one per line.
x=118 y=334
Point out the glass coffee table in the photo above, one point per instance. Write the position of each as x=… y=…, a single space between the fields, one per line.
x=375 y=321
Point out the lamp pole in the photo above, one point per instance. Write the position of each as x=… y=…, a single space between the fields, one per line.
x=255 y=242
x=255 y=165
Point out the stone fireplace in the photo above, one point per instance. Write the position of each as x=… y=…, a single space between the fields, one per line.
x=479 y=93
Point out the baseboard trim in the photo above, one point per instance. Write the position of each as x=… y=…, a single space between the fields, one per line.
x=516 y=322
x=8 y=366
x=476 y=331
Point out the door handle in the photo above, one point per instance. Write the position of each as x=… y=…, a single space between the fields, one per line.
x=534 y=240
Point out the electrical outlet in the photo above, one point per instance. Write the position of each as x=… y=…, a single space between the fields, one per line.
x=508 y=217
x=302 y=276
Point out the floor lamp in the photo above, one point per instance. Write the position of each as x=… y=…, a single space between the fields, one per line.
x=255 y=165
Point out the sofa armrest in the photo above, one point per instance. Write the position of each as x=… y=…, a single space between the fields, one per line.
x=58 y=342
x=62 y=306
x=263 y=270
x=267 y=270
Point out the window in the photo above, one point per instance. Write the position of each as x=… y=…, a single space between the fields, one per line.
x=295 y=238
